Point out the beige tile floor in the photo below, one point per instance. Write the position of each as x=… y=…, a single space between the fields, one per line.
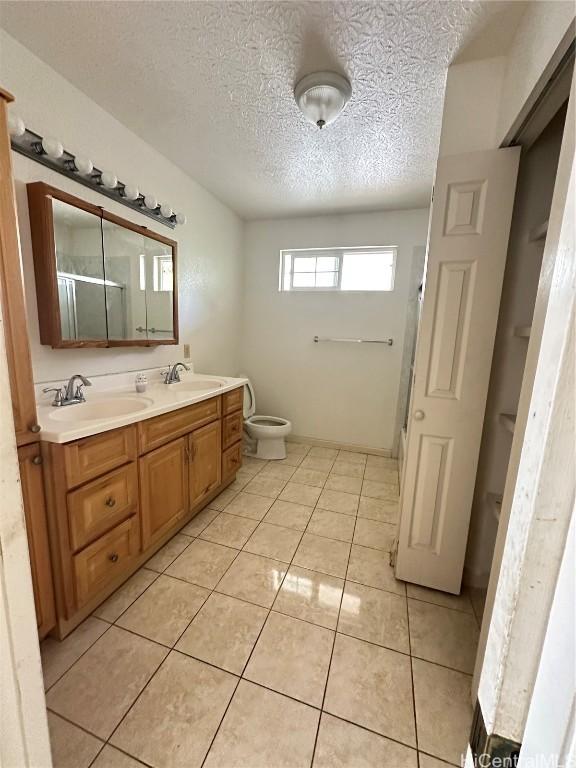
x=271 y=633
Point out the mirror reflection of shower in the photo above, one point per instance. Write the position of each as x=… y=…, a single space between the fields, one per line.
x=113 y=282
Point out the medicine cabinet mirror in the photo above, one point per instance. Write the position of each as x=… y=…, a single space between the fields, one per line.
x=101 y=281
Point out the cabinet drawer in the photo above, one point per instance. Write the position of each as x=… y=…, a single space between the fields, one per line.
x=231 y=461
x=105 y=559
x=161 y=429
x=93 y=456
x=232 y=429
x=233 y=401
x=102 y=504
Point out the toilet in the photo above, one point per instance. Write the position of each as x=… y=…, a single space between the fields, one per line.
x=266 y=434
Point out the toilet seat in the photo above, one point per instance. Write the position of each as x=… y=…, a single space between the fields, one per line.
x=268 y=433
x=272 y=422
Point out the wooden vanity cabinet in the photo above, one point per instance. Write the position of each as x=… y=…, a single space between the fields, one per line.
x=115 y=498
x=13 y=303
x=204 y=462
x=22 y=389
x=163 y=489
x=30 y=463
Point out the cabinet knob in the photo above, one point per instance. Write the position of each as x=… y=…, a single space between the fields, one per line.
x=35 y=428
x=37 y=460
x=419 y=415
x=113 y=557
x=110 y=501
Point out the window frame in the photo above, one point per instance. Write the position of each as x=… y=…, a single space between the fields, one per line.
x=338 y=253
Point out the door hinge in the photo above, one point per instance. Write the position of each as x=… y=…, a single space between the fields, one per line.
x=491 y=750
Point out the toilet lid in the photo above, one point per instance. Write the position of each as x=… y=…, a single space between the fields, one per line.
x=249 y=400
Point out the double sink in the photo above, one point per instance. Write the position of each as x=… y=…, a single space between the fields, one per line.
x=120 y=405
x=109 y=409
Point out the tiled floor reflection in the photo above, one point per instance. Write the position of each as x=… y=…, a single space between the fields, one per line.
x=271 y=632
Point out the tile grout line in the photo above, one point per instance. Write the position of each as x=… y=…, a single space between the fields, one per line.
x=172 y=648
x=412 y=682
x=84 y=652
x=245 y=666
x=335 y=633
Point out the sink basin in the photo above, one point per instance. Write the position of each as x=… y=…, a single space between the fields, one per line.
x=195 y=385
x=101 y=409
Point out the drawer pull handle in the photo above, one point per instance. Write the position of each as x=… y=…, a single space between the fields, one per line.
x=113 y=557
x=37 y=460
x=35 y=428
x=110 y=501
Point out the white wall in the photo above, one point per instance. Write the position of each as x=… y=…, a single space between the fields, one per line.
x=344 y=393
x=209 y=245
x=543 y=28
x=485 y=98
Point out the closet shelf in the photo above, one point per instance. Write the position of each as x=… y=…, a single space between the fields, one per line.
x=495 y=502
x=539 y=232
x=522 y=331
x=508 y=421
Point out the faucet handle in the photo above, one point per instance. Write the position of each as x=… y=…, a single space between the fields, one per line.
x=57 y=394
x=79 y=394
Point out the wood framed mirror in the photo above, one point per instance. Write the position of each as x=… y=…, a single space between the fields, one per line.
x=101 y=281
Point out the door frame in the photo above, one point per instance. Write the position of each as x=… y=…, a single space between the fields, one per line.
x=24 y=737
x=539 y=506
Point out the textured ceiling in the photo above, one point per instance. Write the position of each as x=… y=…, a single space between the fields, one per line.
x=210 y=85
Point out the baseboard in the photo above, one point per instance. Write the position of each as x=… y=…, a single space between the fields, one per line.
x=340 y=446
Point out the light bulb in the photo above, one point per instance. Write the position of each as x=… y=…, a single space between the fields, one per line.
x=165 y=210
x=151 y=202
x=84 y=165
x=52 y=147
x=180 y=219
x=109 y=179
x=131 y=192
x=16 y=126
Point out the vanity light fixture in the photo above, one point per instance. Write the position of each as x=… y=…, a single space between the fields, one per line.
x=322 y=96
x=16 y=126
x=150 y=202
x=84 y=165
x=50 y=152
x=131 y=192
x=109 y=179
x=52 y=147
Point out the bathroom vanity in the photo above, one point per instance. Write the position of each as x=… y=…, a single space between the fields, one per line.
x=105 y=483
x=116 y=495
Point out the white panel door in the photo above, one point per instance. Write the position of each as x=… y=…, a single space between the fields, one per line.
x=467 y=244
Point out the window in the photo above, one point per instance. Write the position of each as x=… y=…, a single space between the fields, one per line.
x=338 y=269
x=163 y=275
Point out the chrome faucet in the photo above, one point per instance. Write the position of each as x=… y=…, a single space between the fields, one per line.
x=172 y=375
x=69 y=394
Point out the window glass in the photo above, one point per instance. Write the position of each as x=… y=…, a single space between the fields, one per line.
x=338 y=269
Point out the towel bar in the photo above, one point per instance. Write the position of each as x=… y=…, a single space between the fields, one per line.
x=389 y=342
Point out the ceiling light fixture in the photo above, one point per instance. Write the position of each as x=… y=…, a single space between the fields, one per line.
x=322 y=96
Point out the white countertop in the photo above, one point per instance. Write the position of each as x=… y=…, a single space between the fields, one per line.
x=72 y=422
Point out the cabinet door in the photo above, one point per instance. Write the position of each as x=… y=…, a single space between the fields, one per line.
x=205 y=457
x=163 y=489
x=36 y=526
